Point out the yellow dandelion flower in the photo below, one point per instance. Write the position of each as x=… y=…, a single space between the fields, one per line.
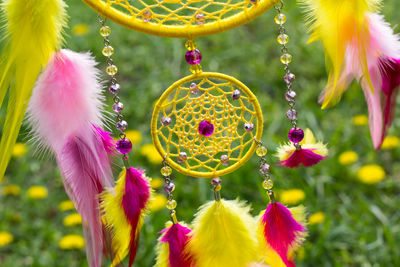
x=151 y=153
x=157 y=202
x=19 y=150
x=156 y=183
x=390 y=142
x=371 y=174
x=80 y=29
x=66 y=205
x=292 y=196
x=348 y=157
x=71 y=242
x=134 y=136
x=72 y=220
x=37 y=192
x=316 y=218
x=360 y=120
x=5 y=238
x=11 y=190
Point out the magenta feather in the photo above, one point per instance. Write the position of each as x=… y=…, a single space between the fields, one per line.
x=281 y=231
x=65 y=113
x=177 y=237
x=134 y=201
x=302 y=157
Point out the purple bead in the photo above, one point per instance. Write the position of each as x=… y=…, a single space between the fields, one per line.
x=114 y=89
x=236 y=94
x=124 y=146
x=296 y=135
x=206 y=128
x=122 y=125
x=289 y=78
x=291 y=114
x=118 y=107
x=290 y=96
x=216 y=181
x=169 y=188
x=193 y=57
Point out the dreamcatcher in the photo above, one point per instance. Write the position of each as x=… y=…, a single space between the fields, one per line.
x=205 y=125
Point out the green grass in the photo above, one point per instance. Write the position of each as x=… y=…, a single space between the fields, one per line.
x=362 y=226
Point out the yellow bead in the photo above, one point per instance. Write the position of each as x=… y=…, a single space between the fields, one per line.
x=112 y=70
x=195 y=68
x=268 y=184
x=108 y=51
x=283 y=38
x=286 y=59
x=105 y=31
x=190 y=45
x=280 y=19
x=217 y=188
x=166 y=171
x=261 y=151
x=171 y=204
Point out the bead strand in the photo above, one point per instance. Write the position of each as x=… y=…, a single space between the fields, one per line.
x=169 y=188
x=265 y=170
x=123 y=145
x=193 y=56
x=296 y=134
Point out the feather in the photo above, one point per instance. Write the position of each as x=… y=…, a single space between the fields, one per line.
x=337 y=24
x=65 y=115
x=172 y=248
x=32 y=33
x=223 y=235
x=123 y=209
x=310 y=153
x=280 y=232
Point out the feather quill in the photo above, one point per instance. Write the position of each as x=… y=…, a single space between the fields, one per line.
x=65 y=113
x=33 y=31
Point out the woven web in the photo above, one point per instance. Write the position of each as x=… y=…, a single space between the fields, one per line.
x=180 y=12
x=212 y=103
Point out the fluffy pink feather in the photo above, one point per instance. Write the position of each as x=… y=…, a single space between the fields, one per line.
x=305 y=157
x=65 y=113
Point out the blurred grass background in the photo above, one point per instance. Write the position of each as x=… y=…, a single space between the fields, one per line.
x=355 y=220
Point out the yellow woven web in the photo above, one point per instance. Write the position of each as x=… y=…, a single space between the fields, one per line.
x=181 y=18
x=211 y=101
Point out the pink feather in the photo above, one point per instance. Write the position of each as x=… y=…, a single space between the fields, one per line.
x=177 y=237
x=305 y=157
x=134 y=201
x=65 y=113
x=281 y=231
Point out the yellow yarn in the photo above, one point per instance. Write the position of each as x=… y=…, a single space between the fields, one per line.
x=224 y=235
x=33 y=32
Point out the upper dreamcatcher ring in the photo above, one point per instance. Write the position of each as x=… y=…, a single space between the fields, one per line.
x=181 y=18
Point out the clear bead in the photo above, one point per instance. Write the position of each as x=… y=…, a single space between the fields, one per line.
x=290 y=96
x=249 y=127
x=280 y=19
x=114 y=89
x=105 y=31
x=291 y=114
x=122 y=125
x=268 y=184
x=194 y=89
x=112 y=70
x=225 y=160
x=166 y=171
x=118 y=107
x=147 y=15
x=236 y=94
x=182 y=157
x=171 y=204
x=265 y=168
x=286 y=58
x=165 y=121
x=283 y=38
x=108 y=51
x=200 y=18
x=261 y=151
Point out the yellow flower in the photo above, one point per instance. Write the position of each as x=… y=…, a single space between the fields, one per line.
x=156 y=183
x=318 y=217
x=71 y=242
x=390 y=142
x=37 y=192
x=11 y=190
x=360 y=120
x=151 y=153
x=72 y=220
x=371 y=174
x=134 y=136
x=157 y=202
x=292 y=196
x=66 y=205
x=80 y=29
x=348 y=157
x=19 y=150
x=5 y=238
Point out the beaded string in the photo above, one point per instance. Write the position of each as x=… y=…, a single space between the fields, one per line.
x=296 y=134
x=123 y=145
x=265 y=170
x=169 y=187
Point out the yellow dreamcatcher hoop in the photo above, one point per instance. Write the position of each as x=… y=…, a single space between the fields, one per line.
x=217 y=101
x=181 y=18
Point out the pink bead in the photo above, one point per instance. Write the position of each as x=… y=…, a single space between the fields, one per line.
x=296 y=135
x=193 y=57
x=124 y=146
x=206 y=128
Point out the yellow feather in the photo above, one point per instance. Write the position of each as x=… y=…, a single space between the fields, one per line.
x=336 y=23
x=224 y=235
x=32 y=33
